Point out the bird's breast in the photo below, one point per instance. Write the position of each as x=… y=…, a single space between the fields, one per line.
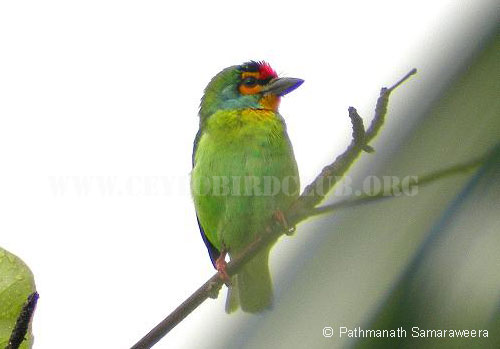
x=245 y=142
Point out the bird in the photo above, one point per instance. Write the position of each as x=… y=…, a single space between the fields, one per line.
x=241 y=146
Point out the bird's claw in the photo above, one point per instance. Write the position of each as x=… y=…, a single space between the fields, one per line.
x=280 y=218
x=221 y=265
x=290 y=231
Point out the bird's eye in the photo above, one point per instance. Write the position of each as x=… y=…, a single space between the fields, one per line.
x=250 y=81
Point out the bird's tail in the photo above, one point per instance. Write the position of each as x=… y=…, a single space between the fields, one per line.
x=251 y=288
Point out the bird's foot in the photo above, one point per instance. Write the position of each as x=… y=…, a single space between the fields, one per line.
x=280 y=218
x=221 y=265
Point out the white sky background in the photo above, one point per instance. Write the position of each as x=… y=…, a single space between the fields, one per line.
x=98 y=111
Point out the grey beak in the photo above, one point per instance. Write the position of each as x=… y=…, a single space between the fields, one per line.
x=282 y=86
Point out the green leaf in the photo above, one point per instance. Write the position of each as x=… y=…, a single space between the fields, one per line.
x=16 y=284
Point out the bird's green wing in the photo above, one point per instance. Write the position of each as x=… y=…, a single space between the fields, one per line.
x=213 y=252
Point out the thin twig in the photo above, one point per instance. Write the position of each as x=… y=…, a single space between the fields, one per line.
x=315 y=192
x=421 y=180
x=298 y=212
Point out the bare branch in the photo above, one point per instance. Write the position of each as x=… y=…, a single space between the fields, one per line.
x=421 y=181
x=315 y=192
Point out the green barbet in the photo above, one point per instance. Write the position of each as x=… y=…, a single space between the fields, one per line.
x=244 y=173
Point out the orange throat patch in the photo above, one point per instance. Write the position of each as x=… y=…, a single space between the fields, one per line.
x=270 y=101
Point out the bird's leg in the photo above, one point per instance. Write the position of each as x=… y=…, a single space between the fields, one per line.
x=220 y=265
x=279 y=217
